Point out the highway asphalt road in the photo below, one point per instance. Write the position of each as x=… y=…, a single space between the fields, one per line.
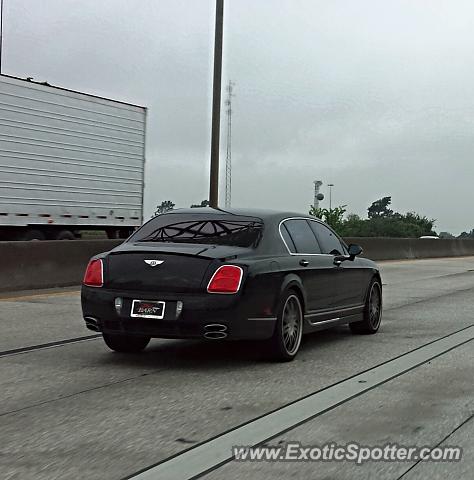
x=70 y=408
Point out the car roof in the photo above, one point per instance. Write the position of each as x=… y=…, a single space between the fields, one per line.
x=271 y=242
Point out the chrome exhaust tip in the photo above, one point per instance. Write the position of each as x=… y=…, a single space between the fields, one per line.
x=215 y=331
x=91 y=324
x=215 y=335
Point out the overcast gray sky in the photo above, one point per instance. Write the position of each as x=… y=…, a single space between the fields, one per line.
x=373 y=96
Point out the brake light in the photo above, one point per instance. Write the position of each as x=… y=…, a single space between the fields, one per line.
x=94 y=276
x=226 y=279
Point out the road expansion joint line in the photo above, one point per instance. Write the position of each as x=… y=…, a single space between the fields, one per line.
x=215 y=452
x=44 y=346
x=65 y=397
x=61 y=343
x=428 y=299
x=449 y=435
x=33 y=296
x=432 y=277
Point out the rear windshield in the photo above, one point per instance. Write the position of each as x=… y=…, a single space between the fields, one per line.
x=179 y=228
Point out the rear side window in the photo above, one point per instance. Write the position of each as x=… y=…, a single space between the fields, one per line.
x=288 y=240
x=329 y=242
x=302 y=236
x=215 y=230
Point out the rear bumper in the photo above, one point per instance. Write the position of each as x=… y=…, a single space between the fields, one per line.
x=201 y=316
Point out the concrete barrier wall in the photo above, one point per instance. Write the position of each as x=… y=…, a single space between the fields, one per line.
x=382 y=248
x=32 y=265
x=35 y=265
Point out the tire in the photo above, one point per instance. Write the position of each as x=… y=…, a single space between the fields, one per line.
x=286 y=340
x=33 y=234
x=65 y=235
x=124 y=233
x=112 y=233
x=372 y=311
x=118 y=233
x=125 y=343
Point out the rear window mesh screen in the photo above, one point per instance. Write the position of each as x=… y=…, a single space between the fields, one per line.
x=241 y=233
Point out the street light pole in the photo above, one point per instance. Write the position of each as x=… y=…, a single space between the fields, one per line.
x=330 y=185
x=216 y=107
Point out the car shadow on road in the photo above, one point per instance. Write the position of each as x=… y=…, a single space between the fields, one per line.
x=220 y=355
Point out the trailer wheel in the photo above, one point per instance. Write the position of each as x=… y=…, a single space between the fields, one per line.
x=112 y=233
x=124 y=233
x=65 y=235
x=33 y=234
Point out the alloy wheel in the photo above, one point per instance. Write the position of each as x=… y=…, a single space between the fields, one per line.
x=292 y=324
x=375 y=304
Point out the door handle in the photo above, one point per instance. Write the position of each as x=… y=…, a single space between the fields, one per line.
x=338 y=259
x=304 y=263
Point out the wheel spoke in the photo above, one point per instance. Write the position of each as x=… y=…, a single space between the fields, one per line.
x=374 y=306
x=292 y=324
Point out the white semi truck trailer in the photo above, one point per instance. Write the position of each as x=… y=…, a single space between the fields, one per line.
x=69 y=162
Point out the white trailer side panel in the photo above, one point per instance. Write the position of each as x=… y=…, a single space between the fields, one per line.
x=69 y=158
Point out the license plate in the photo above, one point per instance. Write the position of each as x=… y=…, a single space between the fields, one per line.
x=147 y=309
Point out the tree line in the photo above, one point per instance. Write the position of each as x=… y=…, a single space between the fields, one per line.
x=168 y=205
x=381 y=221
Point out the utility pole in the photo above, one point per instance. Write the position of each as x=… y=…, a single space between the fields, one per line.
x=330 y=185
x=1 y=35
x=216 y=106
x=228 y=157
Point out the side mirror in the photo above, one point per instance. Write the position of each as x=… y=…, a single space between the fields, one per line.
x=354 y=250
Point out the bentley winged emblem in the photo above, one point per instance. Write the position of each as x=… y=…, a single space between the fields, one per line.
x=153 y=263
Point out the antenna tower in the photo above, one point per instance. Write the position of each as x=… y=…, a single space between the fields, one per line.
x=228 y=157
x=317 y=185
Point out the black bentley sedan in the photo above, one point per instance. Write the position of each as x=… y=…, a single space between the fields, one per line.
x=230 y=274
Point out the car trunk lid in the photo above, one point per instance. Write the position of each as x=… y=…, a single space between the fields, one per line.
x=162 y=267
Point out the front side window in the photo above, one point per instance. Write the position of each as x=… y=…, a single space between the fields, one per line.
x=179 y=228
x=302 y=236
x=328 y=240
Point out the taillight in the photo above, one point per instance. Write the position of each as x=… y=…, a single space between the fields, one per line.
x=226 y=279
x=94 y=276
